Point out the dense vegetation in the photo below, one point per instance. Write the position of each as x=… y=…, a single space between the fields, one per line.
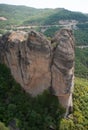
x=22 y=15
x=81 y=104
x=82 y=26
x=50 y=32
x=65 y=15
x=43 y=112
x=16 y=15
x=81 y=37
x=81 y=63
x=79 y=120
x=38 y=113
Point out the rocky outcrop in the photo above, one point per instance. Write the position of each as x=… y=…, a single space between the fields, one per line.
x=63 y=67
x=28 y=57
x=3 y=19
x=38 y=64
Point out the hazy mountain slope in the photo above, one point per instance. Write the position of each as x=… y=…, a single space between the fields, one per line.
x=21 y=13
x=28 y=15
x=65 y=15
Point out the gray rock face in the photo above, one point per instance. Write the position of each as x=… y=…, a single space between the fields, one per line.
x=37 y=64
x=63 y=67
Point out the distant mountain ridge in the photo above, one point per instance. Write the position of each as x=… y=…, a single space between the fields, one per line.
x=29 y=15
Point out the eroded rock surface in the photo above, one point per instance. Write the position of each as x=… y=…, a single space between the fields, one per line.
x=38 y=64
x=28 y=57
x=63 y=67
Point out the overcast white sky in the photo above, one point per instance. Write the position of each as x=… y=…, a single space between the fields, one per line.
x=74 y=5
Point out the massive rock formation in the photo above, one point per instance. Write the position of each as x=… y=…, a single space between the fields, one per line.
x=63 y=68
x=38 y=64
x=28 y=57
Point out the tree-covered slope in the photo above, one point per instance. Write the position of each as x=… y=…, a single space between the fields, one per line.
x=15 y=13
x=83 y=26
x=79 y=119
x=65 y=15
x=81 y=104
x=19 y=14
x=81 y=37
x=28 y=15
x=81 y=63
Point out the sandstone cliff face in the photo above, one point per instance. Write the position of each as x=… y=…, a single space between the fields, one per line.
x=37 y=64
x=28 y=57
x=63 y=67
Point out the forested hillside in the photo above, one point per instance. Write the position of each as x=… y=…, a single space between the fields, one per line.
x=65 y=15
x=81 y=63
x=81 y=37
x=19 y=15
